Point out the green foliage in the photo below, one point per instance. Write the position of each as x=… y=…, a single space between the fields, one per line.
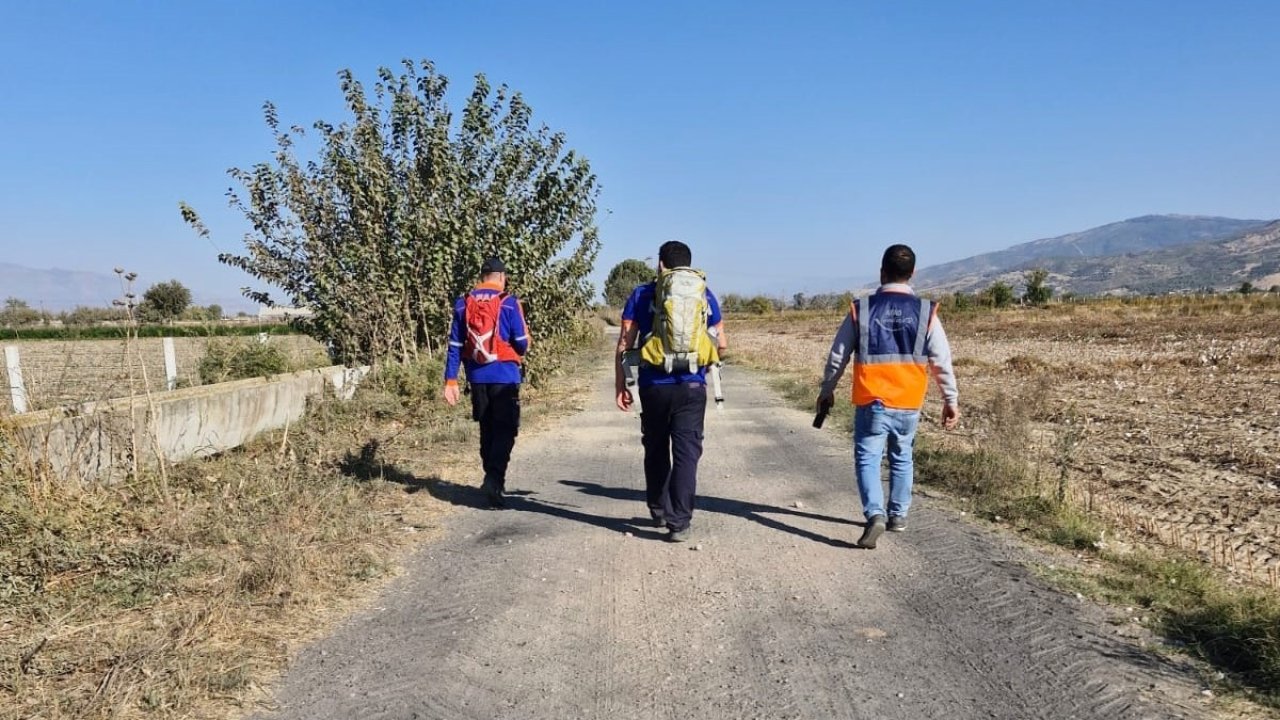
x=197 y=313
x=389 y=222
x=164 y=301
x=17 y=313
x=754 y=305
x=1247 y=288
x=623 y=278
x=84 y=315
x=759 y=305
x=226 y=360
x=998 y=295
x=1037 y=292
x=1234 y=629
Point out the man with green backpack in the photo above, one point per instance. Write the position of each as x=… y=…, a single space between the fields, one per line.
x=672 y=333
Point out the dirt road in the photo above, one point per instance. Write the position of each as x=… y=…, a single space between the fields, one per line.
x=565 y=605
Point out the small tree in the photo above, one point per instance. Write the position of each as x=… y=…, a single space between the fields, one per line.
x=1037 y=292
x=164 y=301
x=17 y=313
x=1246 y=288
x=1275 y=289
x=999 y=294
x=623 y=278
x=759 y=305
x=797 y=301
x=960 y=300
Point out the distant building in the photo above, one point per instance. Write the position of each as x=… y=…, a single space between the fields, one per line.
x=282 y=314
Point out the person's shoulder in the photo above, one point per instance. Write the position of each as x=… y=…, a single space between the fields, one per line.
x=641 y=290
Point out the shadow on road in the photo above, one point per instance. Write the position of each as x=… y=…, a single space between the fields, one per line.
x=366 y=466
x=756 y=512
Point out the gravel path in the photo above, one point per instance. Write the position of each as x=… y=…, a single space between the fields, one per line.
x=565 y=605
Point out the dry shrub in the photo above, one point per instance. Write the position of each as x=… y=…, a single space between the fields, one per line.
x=1025 y=364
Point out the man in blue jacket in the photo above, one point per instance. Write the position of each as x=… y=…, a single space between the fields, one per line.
x=673 y=404
x=489 y=338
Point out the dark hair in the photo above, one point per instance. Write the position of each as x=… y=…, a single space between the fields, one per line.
x=674 y=254
x=898 y=264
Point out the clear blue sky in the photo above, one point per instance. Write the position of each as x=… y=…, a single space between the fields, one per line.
x=787 y=143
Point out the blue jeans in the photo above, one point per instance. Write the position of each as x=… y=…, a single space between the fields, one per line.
x=875 y=426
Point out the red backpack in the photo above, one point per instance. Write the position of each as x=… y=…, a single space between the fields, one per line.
x=484 y=343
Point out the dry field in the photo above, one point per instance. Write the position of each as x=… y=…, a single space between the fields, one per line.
x=58 y=372
x=1165 y=417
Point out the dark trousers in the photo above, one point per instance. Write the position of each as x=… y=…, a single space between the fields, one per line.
x=671 y=422
x=496 y=406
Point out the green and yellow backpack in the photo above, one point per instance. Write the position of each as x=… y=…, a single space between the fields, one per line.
x=680 y=342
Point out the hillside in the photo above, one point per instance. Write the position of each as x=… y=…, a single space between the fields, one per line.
x=1252 y=256
x=56 y=290
x=1155 y=253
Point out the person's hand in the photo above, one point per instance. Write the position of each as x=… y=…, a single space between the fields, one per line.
x=624 y=400
x=451 y=394
x=950 y=416
x=825 y=402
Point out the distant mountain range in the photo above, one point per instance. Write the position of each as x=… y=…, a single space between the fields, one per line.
x=1149 y=254
x=57 y=290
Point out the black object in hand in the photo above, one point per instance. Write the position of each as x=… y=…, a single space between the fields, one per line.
x=820 y=417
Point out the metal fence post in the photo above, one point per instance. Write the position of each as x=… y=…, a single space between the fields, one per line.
x=17 y=390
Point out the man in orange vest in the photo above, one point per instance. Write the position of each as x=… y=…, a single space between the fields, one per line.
x=489 y=338
x=896 y=341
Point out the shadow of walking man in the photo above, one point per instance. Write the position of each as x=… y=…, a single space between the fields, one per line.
x=755 y=512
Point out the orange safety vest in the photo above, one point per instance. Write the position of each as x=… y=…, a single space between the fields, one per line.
x=890 y=364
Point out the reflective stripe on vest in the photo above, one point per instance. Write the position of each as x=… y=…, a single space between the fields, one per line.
x=890 y=364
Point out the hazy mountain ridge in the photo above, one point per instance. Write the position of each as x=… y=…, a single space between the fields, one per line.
x=1150 y=254
x=57 y=289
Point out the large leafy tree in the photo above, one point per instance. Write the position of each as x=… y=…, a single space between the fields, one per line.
x=392 y=217
x=623 y=278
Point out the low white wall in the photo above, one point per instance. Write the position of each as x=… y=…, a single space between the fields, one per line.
x=95 y=442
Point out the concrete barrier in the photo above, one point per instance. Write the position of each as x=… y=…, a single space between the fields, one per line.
x=97 y=441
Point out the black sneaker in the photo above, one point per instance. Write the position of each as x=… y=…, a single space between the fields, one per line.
x=492 y=492
x=495 y=498
x=657 y=519
x=678 y=536
x=872 y=532
x=897 y=523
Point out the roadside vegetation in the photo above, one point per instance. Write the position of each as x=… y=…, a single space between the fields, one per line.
x=122 y=331
x=1036 y=455
x=183 y=594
